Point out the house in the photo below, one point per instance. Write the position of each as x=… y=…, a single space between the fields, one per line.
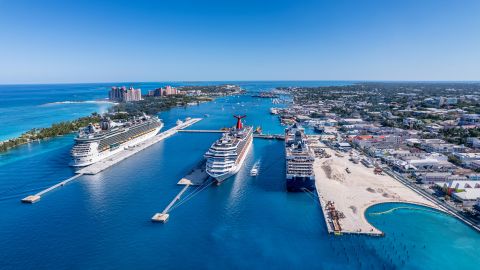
x=466 y=159
x=468 y=197
x=411 y=122
x=469 y=119
x=473 y=142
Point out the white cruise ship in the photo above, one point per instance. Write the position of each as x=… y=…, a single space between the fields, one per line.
x=299 y=159
x=227 y=155
x=97 y=142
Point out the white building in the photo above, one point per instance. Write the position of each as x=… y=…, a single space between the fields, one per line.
x=467 y=158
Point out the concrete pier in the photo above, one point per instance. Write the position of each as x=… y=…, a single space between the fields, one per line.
x=35 y=198
x=106 y=163
x=202 y=130
x=259 y=136
x=196 y=177
x=163 y=216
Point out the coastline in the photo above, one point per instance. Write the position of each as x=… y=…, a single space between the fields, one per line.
x=38 y=134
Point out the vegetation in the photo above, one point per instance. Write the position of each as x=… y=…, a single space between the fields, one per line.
x=154 y=105
x=57 y=129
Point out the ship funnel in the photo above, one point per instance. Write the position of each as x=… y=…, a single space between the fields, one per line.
x=239 y=121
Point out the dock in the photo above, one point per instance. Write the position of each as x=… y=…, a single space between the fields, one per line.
x=107 y=163
x=259 y=136
x=196 y=177
x=202 y=130
x=36 y=197
x=163 y=216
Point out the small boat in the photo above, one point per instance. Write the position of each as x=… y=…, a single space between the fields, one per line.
x=254 y=170
x=348 y=170
x=179 y=122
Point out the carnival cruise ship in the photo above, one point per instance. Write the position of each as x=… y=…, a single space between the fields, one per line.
x=96 y=142
x=227 y=155
x=299 y=159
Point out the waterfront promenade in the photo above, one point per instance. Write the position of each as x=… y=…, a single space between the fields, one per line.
x=350 y=194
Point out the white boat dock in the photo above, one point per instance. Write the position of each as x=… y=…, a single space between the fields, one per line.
x=107 y=163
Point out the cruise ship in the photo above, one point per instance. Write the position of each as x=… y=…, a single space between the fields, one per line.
x=227 y=155
x=299 y=159
x=96 y=142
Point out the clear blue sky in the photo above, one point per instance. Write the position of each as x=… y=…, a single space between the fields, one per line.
x=174 y=40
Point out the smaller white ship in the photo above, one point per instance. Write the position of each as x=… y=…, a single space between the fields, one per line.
x=255 y=169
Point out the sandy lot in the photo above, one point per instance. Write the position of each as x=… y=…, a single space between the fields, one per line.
x=352 y=193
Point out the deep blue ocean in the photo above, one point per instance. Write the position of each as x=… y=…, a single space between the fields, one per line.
x=103 y=221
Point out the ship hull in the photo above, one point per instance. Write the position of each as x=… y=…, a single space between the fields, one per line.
x=82 y=162
x=300 y=183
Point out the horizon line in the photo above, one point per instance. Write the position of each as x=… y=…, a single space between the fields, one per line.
x=192 y=81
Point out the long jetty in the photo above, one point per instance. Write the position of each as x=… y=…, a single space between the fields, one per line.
x=196 y=177
x=107 y=163
x=259 y=136
x=163 y=216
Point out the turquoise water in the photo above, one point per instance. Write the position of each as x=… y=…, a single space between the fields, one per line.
x=103 y=221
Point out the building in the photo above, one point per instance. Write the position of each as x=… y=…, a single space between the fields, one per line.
x=122 y=94
x=166 y=91
x=430 y=163
x=469 y=160
x=473 y=142
x=411 y=122
x=469 y=119
x=440 y=177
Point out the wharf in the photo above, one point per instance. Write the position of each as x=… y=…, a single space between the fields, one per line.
x=163 y=216
x=269 y=136
x=345 y=197
x=35 y=198
x=196 y=177
x=202 y=130
x=260 y=136
x=106 y=163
